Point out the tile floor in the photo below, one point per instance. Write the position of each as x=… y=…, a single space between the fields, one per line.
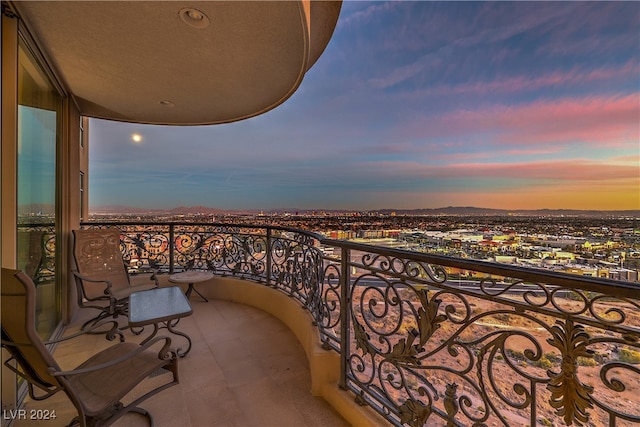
x=245 y=369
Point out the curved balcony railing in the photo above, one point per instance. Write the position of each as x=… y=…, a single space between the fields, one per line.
x=36 y=251
x=434 y=340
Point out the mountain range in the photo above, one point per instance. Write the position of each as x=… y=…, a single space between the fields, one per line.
x=449 y=210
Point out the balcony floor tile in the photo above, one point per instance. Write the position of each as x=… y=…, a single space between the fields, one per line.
x=245 y=369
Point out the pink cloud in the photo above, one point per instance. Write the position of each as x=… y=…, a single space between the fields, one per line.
x=566 y=170
x=599 y=120
x=532 y=151
x=578 y=170
x=377 y=149
x=460 y=156
x=602 y=121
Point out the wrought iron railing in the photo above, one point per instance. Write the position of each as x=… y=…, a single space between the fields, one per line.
x=282 y=258
x=36 y=251
x=435 y=340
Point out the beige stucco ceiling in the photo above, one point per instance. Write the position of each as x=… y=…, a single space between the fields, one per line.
x=138 y=61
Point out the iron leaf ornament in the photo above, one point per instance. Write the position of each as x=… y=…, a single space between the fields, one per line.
x=569 y=396
x=428 y=318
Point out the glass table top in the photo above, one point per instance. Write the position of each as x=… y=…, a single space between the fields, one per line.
x=157 y=305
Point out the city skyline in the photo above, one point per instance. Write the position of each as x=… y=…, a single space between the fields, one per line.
x=416 y=105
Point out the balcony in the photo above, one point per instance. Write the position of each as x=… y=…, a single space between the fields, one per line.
x=417 y=339
x=234 y=375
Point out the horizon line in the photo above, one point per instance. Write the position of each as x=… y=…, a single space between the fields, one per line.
x=122 y=208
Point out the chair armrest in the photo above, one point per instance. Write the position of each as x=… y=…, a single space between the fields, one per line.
x=89 y=279
x=165 y=354
x=153 y=271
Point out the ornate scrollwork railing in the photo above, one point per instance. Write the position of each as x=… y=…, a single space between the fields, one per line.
x=434 y=340
x=286 y=259
x=36 y=251
x=503 y=346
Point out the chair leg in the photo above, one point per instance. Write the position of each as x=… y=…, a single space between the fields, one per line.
x=94 y=320
x=74 y=422
x=144 y=413
x=119 y=412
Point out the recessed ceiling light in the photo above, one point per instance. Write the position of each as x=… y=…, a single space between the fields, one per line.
x=194 y=18
x=166 y=103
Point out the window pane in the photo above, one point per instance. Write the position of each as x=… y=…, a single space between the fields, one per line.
x=39 y=107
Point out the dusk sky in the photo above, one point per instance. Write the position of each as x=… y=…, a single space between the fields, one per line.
x=510 y=105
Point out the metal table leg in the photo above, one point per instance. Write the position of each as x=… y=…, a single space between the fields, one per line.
x=192 y=288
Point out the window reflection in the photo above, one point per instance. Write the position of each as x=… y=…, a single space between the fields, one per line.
x=39 y=108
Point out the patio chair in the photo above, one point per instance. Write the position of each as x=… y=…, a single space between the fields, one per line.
x=101 y=276
x=97 y=386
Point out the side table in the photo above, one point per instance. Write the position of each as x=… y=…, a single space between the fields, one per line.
x=191 y=278
x=160 y=306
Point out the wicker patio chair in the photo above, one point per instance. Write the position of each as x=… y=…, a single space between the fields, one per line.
x=97 y=386
x=101 y=276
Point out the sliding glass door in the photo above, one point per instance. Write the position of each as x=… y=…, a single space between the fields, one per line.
x=39 y=132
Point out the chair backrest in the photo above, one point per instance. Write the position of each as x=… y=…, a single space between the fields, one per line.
x=97 y=255
x=18 y=303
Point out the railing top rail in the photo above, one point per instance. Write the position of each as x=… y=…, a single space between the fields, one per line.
x=607 y=286
x=530 y=274
x=206 y=224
